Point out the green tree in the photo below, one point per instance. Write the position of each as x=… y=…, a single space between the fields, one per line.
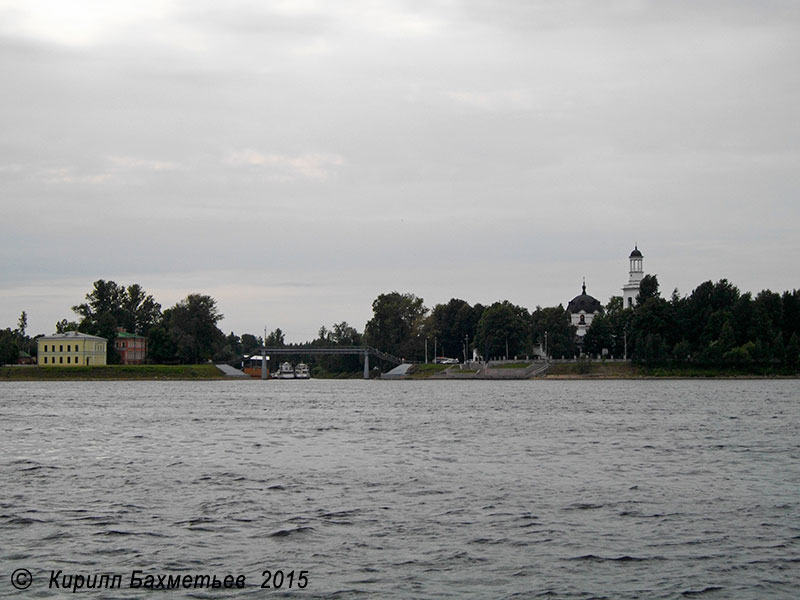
x=323 y=337
x=396 y=324
x=276 y=339
x=23 y=341
x=454 y=326
x=231 y=349
x=793 y=351
x=725 y=342
x=651 y=348
x=234 y=342
x=741 y=355
x=139 y=311
x=653 y=316
x=648 y=288
x=106 y=327
x=682 y=351
x=614 y=306
x=192 y=328
x=446 y=327
x=778 y=348
x=64 y=326
x=340 y=334
x=343 y=334
x=22 y=324
x=110 y=306
x=106 y=298
x=161 y=348
x=615 y=334
x=555 y=322
x=9 y=350
x=503 y=330
x=600 y=336
x=251 y=343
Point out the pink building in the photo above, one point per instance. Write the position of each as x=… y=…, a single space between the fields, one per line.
x=132 y=348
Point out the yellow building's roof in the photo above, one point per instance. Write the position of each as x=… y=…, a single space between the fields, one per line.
x=72 y=335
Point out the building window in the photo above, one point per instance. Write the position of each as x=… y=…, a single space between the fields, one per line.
x=61 y=347
x=45 y=360
x=69 y=360
x=61 y=360
x=45 y=348
x=76 y=360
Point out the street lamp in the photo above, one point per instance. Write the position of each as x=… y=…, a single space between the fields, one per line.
x=545 y=346
x=625 y=341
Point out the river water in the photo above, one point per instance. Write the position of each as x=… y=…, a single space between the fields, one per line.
x=404 y=489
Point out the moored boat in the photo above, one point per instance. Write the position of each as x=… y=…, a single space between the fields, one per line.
x=285 y=371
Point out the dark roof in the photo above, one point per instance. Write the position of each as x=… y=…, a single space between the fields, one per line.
x=636 y=253
x=584 y=302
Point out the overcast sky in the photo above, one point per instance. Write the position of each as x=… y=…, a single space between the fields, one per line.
x=294 y=159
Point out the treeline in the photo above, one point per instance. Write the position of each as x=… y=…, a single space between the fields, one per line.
x=403 y=326
x=184 y=333
x=15 y=343
x=715 y=325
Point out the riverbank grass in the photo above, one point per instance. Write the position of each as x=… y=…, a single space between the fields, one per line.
x=110 y=372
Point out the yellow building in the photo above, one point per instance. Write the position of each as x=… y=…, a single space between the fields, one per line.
x=71 y=349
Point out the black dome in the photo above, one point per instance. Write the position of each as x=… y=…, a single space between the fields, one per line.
x=584 y=302
x=636 y=253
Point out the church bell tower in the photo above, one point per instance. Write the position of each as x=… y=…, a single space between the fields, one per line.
x=631 y=289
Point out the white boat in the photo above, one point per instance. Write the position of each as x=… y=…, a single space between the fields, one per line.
x=285 y=371
x=301 y=371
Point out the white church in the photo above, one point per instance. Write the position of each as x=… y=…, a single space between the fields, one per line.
x=583 y=308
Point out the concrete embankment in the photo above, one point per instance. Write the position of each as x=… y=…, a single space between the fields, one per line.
x=490 y=371
x=399 y=372
x=230 y=371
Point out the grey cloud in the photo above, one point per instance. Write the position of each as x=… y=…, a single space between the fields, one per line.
x=547 y=135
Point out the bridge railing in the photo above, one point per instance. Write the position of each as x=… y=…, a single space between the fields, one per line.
x=322 y=350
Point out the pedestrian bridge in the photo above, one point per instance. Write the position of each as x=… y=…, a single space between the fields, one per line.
x=365 y=351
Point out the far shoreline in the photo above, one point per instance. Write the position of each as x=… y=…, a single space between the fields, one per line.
x=595 y=371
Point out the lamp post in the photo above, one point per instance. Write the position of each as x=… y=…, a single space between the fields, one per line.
x=426 y=350
x=545 y=346
x=625 y=341
x=264 y=356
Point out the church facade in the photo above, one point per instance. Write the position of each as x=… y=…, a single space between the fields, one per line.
x=582 y=310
